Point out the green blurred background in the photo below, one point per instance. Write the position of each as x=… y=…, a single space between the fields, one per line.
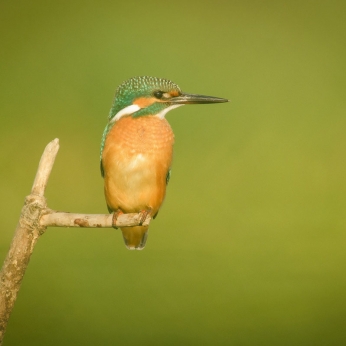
x=249 y=247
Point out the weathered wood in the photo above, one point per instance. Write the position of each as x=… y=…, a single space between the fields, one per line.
x=26 y=235
x=34 y=219
x=45 y=167
x=60 y=219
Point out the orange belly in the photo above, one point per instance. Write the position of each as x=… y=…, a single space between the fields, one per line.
x=136 y=158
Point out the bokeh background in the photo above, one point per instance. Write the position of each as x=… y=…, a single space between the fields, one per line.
x=249 y=247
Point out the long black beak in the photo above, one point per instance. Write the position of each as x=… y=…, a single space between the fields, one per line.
x=185 y=99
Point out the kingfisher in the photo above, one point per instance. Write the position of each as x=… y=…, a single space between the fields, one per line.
x=137 y=148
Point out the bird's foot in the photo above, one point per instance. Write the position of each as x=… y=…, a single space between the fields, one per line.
x=115 y=218
x=143 y=215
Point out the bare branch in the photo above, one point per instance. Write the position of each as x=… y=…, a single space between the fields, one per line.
x=26 y=235
x=34 y=219
x=45 y=167
x=60 y=219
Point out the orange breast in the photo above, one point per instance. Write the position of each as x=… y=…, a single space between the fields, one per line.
x=136 y=158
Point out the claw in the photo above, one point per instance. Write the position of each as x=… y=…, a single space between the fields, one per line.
x=115 y=218
x=144 y=214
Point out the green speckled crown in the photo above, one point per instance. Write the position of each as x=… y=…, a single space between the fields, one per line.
x=136 y=87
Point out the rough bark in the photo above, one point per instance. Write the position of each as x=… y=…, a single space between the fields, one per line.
x=60 y=219
x=34 y=219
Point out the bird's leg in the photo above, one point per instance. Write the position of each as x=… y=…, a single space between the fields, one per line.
x=115 y=218
x=144 y=213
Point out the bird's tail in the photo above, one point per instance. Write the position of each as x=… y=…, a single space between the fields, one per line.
x=135 y=237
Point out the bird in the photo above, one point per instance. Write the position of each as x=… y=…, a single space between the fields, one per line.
x=137 y=148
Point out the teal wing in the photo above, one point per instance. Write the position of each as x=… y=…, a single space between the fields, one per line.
x=101 y=169
x=103 y=140
x=168 y=176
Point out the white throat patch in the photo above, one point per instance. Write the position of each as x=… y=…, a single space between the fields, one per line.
x=134 y=108
x=162 y=114
x=125 y=111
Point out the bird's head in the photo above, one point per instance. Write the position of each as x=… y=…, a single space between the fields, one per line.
x=141 y=96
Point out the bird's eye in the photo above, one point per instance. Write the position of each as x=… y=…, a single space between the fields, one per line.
x=158 y=94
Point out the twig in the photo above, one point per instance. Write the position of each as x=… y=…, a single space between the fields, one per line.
x=45 y=167
x=26 y=235
x=60 y=219
x=34 y=219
